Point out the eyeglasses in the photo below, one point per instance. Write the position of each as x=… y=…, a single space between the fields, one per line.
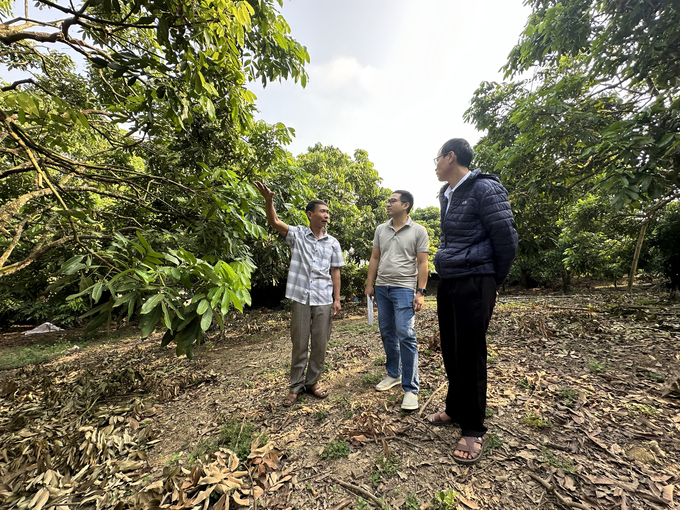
x=392 y=200
x=436 y=160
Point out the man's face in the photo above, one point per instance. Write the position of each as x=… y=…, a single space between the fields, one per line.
x=319 y=217
x=394 y=205
x=442 y=166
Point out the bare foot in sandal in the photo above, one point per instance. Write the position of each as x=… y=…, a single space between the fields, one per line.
x=470 y=449
x=318 y=391
x=290 y=400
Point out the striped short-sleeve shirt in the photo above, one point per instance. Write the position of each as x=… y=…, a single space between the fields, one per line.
x=311 y=259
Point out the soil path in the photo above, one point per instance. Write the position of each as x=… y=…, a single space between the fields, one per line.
x=583 y=413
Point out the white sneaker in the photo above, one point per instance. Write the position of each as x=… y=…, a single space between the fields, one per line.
x=410 y=402
x=387 y=383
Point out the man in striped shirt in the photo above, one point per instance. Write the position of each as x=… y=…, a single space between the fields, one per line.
x=314 y=288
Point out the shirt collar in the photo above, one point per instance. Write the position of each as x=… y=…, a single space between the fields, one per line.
x=309 y=232
x=408 y=223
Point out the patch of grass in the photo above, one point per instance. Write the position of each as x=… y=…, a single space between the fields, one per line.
x=495 y=441
x=333 y=343
x=563 y=463
x=491 y=357
x=489 y=412
x=248 y=384
x=427 y=352
x=370 y=379
x=597 y=367
x=568 y=396
x=412 y=502
x=536 y=422
x=34 y=355
x=385 y=467
x=635 y=410
x=425 y=393
x=237 y=436
x=356 y=328
x=362 y=504
x=173 y=458
x=321 y=414
x=379 y=361
x=335 y=449
x=655 y=377
x=524 y=383
x=445 y=500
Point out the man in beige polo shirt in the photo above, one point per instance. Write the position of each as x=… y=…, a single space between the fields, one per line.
x=399 y=260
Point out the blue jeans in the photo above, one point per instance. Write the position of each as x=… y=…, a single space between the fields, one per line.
x=396 y=319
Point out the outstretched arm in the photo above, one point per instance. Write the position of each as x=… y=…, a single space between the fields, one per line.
x=272 y=217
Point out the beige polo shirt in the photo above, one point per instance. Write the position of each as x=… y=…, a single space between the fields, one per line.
x=398 y=252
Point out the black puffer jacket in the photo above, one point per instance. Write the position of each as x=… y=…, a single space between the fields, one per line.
x=478 y=231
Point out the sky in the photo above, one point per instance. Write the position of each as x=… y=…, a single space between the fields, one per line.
x=392 y=77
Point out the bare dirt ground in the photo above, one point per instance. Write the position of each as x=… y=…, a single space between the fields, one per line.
x=583 y=412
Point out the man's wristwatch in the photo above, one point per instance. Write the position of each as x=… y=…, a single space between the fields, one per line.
x=422 y=291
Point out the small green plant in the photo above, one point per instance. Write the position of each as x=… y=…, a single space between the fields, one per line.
x=335 y=449
x=635 y=410
x=333 y=343
x=412 y=502
x=488 y=412
x=495 y=441
x=563 y=463
x=248 y=384
x=568 y=396
x=174 y=458
x=427 y=352
x=379 y=361
x=536 y=422
x=597 y=367
x=321 y=414
x=491 y=357
x=362 y=504
x=237 y=435
x=655 y=377
x=385 y=467
x=370 y=379
x=445 y=500
x=524 y=383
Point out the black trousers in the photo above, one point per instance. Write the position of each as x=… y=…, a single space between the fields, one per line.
x=464 y=308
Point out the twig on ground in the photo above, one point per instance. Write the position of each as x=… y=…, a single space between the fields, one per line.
x=313 y=476
x=365 y=493
x=562 y=501
x=422 y=409
x=410 y=443
x=345 y=502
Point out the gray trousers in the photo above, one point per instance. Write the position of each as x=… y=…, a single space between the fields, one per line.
x=308 y=321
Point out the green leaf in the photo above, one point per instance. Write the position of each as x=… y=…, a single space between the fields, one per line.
x=203 y=306
x=150 y=303
x=206 y=319
x=148 y=322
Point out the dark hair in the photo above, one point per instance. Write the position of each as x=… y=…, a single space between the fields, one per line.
x=311 y=206
x=405 y=197
x=461 y=148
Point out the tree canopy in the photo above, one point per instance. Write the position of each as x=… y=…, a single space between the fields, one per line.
x=128 y=145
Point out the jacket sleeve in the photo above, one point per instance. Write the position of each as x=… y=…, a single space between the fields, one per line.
x=496 y=216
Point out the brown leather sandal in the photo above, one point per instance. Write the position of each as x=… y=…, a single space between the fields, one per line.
x=318 y=391
x=436 y=419
x=471 y=445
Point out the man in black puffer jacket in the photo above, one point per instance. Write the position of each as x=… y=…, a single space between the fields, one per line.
x=478 y=246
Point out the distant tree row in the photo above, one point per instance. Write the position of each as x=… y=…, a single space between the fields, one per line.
x=586 y=137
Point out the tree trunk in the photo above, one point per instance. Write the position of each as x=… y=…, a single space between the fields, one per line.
x=636 y=255
x=566 y=280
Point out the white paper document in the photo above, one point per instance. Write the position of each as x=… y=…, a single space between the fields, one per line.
x=369 y=306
